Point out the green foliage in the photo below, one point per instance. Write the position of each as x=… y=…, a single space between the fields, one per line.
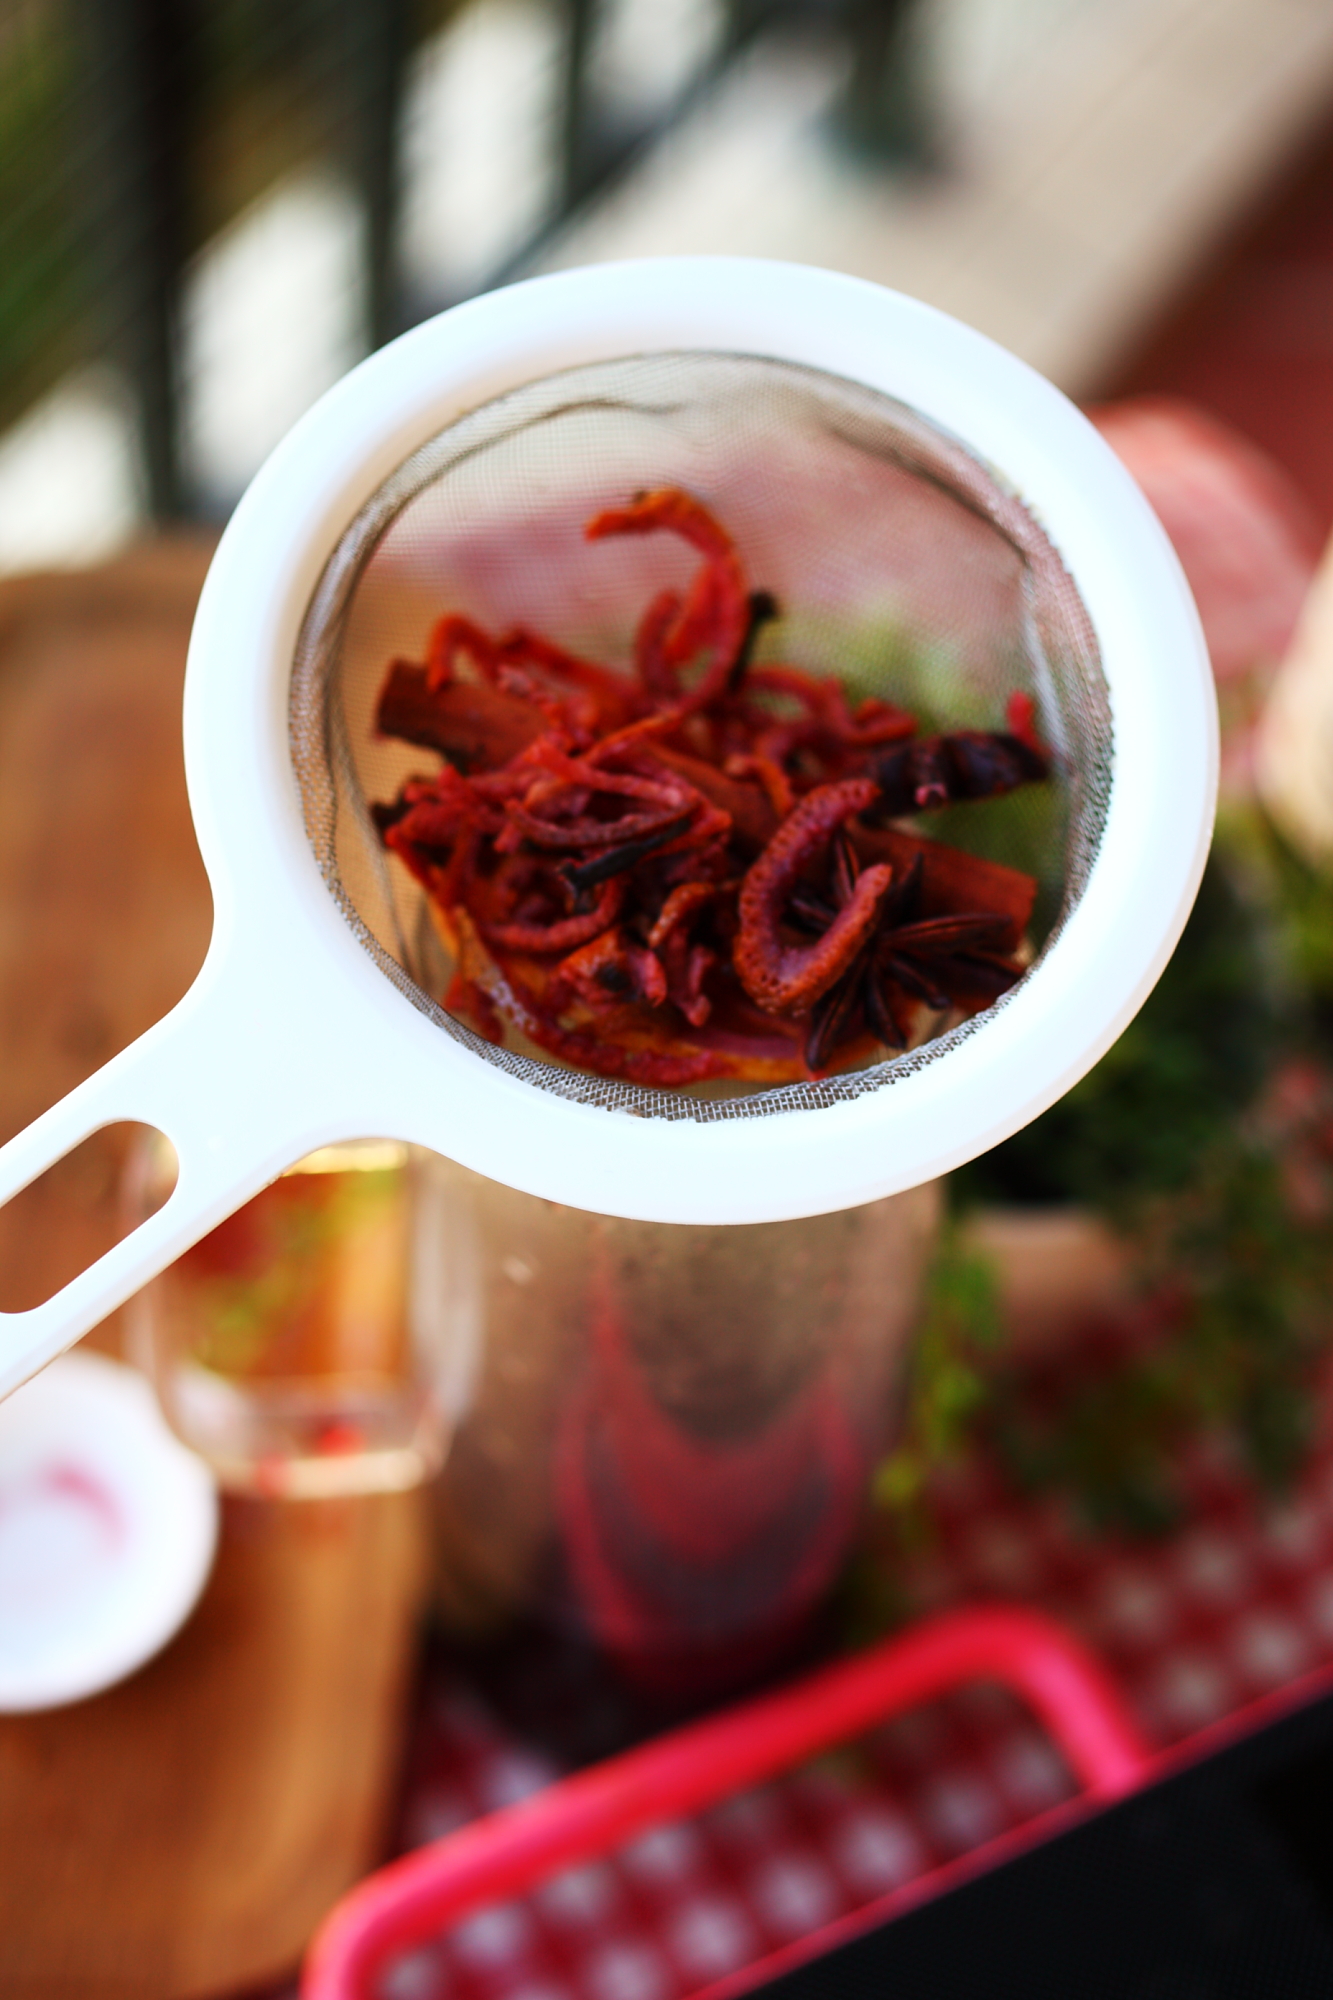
x=1298 y=900
x=945 y=1385
x=240 y=1312
x=944 y=1393
x=42 y=279
x=1228 y=1208
x=1240 y=1283
x=1023 y=829
x=1171 y=1087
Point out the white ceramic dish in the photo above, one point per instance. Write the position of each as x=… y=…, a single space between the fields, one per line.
x=107 y=1531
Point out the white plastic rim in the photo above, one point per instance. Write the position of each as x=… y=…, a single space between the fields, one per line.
x=107 y=1531
x=292 y=1037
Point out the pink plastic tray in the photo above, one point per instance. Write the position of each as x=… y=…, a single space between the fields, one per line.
x=601 y=1808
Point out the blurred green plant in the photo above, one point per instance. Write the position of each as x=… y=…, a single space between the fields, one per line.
x=262 y=90
x=945 y=1385
x=1206 y=1136
x=1188 y=1064
x=1234 y=1326
x=945 y=1391
x=43 y=298
x=265 y=1269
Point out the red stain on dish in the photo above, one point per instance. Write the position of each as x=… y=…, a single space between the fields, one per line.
x=58 y=1524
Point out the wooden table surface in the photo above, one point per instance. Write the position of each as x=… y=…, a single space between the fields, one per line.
x=180 y=1834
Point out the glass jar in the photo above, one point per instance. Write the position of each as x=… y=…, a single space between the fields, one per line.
x=667 y=1435
x=657 y=1439
x=301 y=1347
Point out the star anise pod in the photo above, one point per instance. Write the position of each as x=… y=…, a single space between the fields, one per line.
x=943 y=961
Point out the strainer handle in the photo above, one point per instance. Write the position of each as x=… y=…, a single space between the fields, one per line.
x=239 y=1083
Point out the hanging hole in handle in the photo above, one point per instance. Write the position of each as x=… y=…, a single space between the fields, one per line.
x=61 y=1223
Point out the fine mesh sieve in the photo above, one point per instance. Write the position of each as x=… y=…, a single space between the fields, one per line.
x=898 y=560
x=939 y=526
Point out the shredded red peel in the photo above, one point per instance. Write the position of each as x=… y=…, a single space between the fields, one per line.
x=451 y=636
x=566 y=933
x=613 y=969
x=681 y=905
x=664 y=877
x=713 y=618
x=785 y=978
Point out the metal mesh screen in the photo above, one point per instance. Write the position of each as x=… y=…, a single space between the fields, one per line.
x=900 y=562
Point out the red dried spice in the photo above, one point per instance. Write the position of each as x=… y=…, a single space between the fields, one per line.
x=692 y=872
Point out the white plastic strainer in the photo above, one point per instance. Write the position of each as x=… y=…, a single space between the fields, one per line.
x=922 y=505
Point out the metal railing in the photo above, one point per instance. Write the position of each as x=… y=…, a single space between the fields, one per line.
x=164 y=117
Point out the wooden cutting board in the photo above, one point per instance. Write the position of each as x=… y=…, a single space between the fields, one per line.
x=180 y=1834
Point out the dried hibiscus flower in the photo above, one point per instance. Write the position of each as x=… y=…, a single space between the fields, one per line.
x=692 y=872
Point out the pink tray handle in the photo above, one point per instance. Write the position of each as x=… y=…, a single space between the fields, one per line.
x=581 y=1817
